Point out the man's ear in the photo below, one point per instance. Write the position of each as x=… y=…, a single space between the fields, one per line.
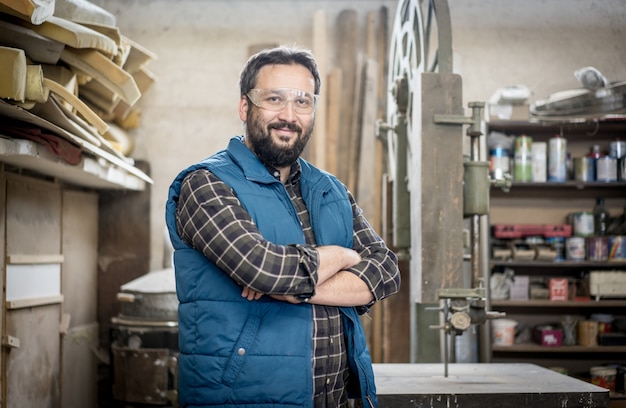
x=243 y=108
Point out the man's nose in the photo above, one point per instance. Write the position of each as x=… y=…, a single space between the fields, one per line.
x=288 y=113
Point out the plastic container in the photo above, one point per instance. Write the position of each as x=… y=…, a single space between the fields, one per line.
x=503 y=332
x=603 y=377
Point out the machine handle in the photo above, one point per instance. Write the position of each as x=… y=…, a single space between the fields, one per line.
x=126 y=297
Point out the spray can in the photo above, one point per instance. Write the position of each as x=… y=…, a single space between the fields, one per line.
x=523 y=158
x=557 y=159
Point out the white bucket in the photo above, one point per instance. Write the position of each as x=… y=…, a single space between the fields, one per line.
x=503 y=331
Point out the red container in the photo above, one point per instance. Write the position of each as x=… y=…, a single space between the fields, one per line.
x=548 y=336
x=530 y=230
x=558 y=289
x=557 y=230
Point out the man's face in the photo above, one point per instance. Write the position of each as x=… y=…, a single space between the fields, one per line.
x=278 y=137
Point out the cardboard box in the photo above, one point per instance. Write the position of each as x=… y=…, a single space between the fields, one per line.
x=558 y=289
x=519 y=112
x=548 y=336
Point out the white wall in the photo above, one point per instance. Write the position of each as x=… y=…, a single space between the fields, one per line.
x=202 y=45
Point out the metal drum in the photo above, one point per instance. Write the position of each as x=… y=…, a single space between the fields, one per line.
x=144 y=342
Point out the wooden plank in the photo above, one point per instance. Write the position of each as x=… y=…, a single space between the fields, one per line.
x=38 y=11
x=37 y=47
x=123 y=247
x=368 y=181
x=33 y=370
x=34 y=258
x=320 y=50
x=347 y=45
x=335 y=83
x=354 y=138
x=33 y=302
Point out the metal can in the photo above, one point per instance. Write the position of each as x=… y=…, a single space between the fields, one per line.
x=523 y=158
x=557 y=159
x=499 y=162
x=575 y=249
x=597 y=249
x=617 y=247
x=584 y=169
x=606 y=169
x=617 y=149
x=582 y=223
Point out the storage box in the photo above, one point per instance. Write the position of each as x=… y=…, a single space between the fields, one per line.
x=607 y=283
x=558 y=289
x=519 y=289
x=548 y=336
x=529 y=230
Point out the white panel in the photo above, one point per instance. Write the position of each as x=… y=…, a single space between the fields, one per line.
x=33 y=281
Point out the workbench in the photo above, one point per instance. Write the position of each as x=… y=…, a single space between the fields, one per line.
x=482 y=386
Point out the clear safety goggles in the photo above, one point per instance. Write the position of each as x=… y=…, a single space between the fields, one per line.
x=277 y=99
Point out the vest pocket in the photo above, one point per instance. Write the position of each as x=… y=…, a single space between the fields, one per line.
x=240 y=349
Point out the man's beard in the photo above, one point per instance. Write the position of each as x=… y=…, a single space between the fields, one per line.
x=260 y=139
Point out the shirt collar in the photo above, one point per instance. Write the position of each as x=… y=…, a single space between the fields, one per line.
x=294 y=173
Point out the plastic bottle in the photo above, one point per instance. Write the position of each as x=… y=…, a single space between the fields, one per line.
x=601 y=218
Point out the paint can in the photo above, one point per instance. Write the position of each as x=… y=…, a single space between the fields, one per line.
x=575 y=248
x=584 y=169
x=499 y=162
x=538 y=151
x=617 y=248
x=582 y=224
x=523 y=158
x=557 y=159
x=617 y=149
x=597 y=249
x=606 y=169
x=603 y=377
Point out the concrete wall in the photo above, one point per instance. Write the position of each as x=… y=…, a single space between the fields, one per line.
x=202 y=45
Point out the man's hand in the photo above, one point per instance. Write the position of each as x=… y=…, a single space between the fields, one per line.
x=250 y=294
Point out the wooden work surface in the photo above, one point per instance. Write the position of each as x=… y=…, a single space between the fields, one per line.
x=482 y=386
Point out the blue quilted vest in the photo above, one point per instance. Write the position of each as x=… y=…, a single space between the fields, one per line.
x=237 y=353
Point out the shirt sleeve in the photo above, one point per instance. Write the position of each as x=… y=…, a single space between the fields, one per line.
x=379 y=267
x=212 y=220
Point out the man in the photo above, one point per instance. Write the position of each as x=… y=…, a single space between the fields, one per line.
x=273 y=259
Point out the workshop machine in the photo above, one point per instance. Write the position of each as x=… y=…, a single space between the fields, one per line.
x=440 y=197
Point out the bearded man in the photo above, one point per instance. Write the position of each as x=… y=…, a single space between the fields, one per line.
x=273 y=258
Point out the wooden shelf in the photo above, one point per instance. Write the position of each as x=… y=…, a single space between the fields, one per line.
x=540 y=303
x=582 y=126
x=578 y=265
x=552 y=203
x=536 y=348
x=92 y=172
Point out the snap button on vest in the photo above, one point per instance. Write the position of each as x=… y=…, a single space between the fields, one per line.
x=241 y=351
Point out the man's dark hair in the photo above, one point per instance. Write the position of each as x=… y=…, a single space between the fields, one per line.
x=282 y=55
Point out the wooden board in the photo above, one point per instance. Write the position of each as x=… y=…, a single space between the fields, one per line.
x=333 y=122
x=75 y=35
x=37 y=11
x=347 y=45
x=102 y=69
x=317 y=148
x=37 y=47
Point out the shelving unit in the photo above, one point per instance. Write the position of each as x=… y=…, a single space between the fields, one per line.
x=550 y=203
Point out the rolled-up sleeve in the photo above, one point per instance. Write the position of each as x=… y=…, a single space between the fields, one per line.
x=379 y=267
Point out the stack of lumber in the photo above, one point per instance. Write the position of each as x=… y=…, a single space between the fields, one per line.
x=66 y=69
x=345 y=143
x=353 y=99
